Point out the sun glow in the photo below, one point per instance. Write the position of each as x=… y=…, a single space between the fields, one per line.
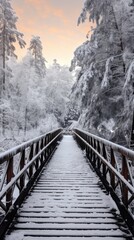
x=55 y=21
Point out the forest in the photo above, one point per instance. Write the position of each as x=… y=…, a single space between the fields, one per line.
x=33 y=98
x=103 y=92
x=95 y=93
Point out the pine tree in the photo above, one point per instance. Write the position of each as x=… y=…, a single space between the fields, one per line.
x=8 y=36
x=99 y=86
x=36 y=50
x=56 y=65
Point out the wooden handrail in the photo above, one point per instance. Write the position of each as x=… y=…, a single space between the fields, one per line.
x=112 y=163
x=116 y=147
x=31 y=156
x=13 y=151
x=111 y=168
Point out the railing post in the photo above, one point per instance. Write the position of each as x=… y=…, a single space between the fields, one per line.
x=104 y=166
x=125 y=175
x=41 y=146
x=91 y=153
x=9 y=196
x=87 y=148
x=112 y=175
x=30 y=157
x=98 y=159
x=49 y=146
x=50 y=138
x=94 y=155
x=36 y=152
x=46 y=150
x=22 y=163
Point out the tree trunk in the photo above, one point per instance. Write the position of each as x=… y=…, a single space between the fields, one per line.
x=120 y=36
x=3 y=79
x=25 y=124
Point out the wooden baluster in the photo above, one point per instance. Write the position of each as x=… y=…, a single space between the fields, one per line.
x=30 y=157
x=22 y=163
x=46 y=151
x=41 y=147
x=82 y=144
x=84 y=137
x=112 y=175
x=104 y=166
x=98 y=159
x=94 y=155
x=9 y=195
x=36 y=152
x=91 y=154
x=87 y=148
x=125 y=175
x=54 y=143
x=50 y=138
x=49 y=146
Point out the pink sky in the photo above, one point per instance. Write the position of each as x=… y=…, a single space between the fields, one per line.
x=55 y=21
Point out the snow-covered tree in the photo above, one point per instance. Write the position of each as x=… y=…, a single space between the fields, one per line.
x=56 y=65
x=8 y=36
x=59 y=81
x=36 y=104
x=36 y=50
x=103 y=61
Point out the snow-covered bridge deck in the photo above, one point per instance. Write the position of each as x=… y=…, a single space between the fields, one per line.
x=68 y=202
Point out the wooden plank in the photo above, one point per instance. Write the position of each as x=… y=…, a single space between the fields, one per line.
x=70 y=233
x=74 y=238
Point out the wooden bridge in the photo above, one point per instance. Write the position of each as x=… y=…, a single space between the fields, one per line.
x=51 y=189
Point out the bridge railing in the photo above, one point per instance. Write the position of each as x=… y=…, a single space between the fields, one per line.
x=21 y=165
x=114 y=165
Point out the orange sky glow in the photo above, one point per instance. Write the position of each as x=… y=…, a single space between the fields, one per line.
x=55 y=21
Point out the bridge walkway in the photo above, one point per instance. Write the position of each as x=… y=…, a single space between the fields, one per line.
x=68 y=202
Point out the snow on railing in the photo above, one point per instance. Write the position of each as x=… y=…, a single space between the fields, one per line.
x=113 y=163
x=17 y=174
